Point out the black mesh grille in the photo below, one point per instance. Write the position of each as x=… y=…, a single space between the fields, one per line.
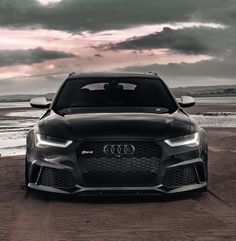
x=180 y=177
x=35 y=173
x=100 y=169
x=56 y=178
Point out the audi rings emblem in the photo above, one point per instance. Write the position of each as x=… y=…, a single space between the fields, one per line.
x=119 y=150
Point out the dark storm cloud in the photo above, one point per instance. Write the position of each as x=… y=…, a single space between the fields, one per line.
x=95 y=15
x=30 y=56
x=182 y=40
x=196 y=40
x=218 y=68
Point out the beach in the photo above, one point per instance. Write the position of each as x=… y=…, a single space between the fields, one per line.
x=40 y=216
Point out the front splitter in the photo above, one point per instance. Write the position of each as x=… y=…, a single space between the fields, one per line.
x=160 y=189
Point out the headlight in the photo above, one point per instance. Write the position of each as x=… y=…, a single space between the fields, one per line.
x=42 y=141
x=189 y=140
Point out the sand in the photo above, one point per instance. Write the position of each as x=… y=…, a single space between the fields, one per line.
x=208 y=216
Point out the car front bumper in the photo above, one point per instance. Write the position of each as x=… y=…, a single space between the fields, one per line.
x=161 y=188
x=58 y=170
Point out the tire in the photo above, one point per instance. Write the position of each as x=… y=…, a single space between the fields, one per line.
x=26 y=176
x=204 y=189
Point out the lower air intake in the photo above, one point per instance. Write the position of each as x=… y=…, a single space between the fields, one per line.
x=56 y=178
x=180 y=177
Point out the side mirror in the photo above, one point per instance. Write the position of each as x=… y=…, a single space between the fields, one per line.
x=40 y=103
x=186 y=101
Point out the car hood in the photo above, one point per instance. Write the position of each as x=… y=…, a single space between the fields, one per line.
x=116 y=125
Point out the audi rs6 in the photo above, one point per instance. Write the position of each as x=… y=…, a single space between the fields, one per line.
x=116 y=133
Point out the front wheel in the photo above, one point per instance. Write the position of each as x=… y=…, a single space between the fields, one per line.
x=26 y=176
x=204 y=189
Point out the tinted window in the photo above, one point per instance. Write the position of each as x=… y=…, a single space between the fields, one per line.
x=114 y=92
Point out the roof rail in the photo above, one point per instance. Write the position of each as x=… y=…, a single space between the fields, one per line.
x=152 y=73
x=71 y=74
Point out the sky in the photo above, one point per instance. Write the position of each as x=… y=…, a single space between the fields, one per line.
x=187 y=42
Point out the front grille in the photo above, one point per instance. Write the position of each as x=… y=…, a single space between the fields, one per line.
x=56 y=178
x=138 y=168
x=179 y=177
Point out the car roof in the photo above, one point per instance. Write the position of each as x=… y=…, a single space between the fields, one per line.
x=112 y=75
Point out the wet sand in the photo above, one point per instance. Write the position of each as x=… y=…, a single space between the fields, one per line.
x=211 y=108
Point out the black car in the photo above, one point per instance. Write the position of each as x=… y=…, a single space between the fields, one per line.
x=116 y=133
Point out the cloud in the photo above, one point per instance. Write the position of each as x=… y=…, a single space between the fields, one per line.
x=196 y=40
x=216 y=68
x=96 y=15
x=180 y=40
x=31 y=56
x=46 y=2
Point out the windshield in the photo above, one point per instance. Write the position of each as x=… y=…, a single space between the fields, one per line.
x=114 y=92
